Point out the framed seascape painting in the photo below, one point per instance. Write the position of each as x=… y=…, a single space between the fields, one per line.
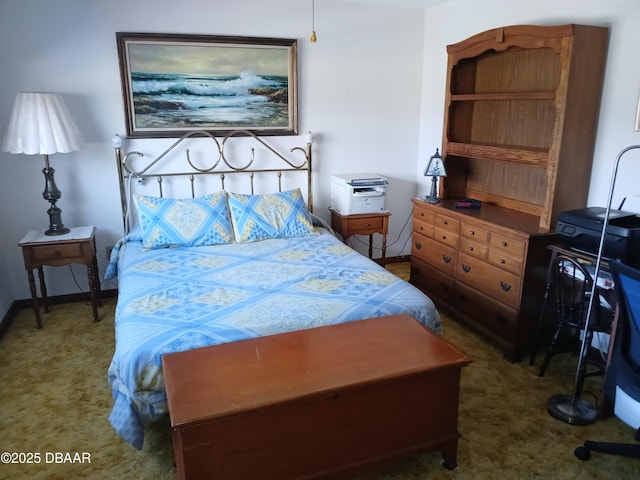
x=174 y=83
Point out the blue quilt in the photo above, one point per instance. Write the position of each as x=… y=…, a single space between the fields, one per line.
x=176 y=299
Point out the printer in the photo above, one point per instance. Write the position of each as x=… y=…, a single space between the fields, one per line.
x=355 y=193
x=582 y=229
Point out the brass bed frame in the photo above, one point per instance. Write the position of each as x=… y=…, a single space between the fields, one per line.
x=220 y=167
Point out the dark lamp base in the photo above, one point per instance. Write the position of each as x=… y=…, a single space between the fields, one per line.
x=573 y=412
x=428 y=199
x=56 y=231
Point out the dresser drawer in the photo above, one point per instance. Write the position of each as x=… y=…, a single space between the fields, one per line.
x=445 y=236
x=422 y=215
x=495 y=282
x=434 y=253
x=507 y=262
x=500 y=321
x=473 y=248
x=438 y=284
x=57 y=252
x=474 y=232
x=506 y=244
x=422 y=226
x=447 y=223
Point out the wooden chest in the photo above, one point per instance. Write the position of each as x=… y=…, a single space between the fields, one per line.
x=318 y=403
x=485 y=266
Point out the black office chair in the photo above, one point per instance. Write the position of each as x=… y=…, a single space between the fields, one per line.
x=622 y=381
x=569 y=287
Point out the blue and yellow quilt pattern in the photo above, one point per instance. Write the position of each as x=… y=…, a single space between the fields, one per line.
x=176 y=299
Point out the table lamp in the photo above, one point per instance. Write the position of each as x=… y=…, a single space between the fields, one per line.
x=435 y=169
x=41 y=124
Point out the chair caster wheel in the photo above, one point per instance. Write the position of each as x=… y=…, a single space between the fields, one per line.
x=582 y=453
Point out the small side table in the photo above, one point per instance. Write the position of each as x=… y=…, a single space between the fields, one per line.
x=77 y=246
x=362 y=224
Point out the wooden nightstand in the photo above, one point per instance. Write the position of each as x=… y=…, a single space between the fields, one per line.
x=77 y=246
x=362 y=224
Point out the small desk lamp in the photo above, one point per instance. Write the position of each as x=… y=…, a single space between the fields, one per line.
x=41 y=124
x=435 y=169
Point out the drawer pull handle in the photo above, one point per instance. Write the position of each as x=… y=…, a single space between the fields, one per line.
x=471 y=249
x=446 y=258
x=444 y=222
x=505 y=286
x=422 y=214
x=501 y=318
x=472 y=233
x=466 y=268
x=367 y=224
x=444 y=237
x=503 y=243
x=418 y=245
x=56 y=253
x=444 y=286
x=502 y=261
x=421 y=228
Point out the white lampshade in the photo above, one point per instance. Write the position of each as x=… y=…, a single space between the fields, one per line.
x=40 y=124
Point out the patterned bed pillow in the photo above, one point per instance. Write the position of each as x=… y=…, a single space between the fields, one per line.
x=257 y=217
x=187 y=222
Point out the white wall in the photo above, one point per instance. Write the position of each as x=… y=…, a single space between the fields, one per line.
x=359 y=88
x=372 y=88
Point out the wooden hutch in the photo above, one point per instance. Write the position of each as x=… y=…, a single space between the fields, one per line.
x=520 y=119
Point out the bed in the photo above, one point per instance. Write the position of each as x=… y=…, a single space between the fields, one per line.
x=219 y=266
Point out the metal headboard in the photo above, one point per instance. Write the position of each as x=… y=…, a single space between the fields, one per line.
x=221 y=166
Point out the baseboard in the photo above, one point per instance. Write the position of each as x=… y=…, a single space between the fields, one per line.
x=18 y=305
x=8 y=318
x=398 y=259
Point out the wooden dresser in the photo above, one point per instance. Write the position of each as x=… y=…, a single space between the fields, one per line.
x=485 y=266
x=520 y=119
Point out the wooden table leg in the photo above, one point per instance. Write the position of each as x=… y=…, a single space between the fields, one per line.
x=34 y=298
x=43 y=290
x=94 y=289
x=384 y=245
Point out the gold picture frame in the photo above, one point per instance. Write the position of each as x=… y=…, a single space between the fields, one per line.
x=174 y=83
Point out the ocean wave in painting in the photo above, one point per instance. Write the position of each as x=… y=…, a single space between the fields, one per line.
x=200 y=101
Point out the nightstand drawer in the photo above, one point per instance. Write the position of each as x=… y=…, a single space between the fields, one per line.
x=362 y=225
x=57 y=252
